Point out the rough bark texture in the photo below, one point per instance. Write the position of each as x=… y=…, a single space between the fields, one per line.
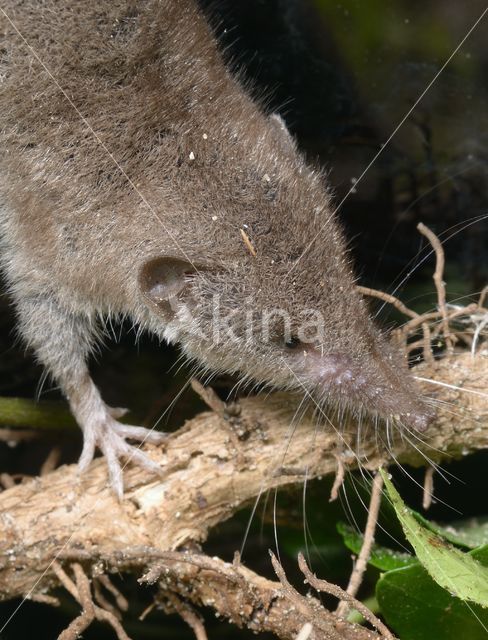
x=249 y=600
x=213 y=466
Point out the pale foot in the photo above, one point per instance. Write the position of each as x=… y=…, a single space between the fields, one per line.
x=104 y=432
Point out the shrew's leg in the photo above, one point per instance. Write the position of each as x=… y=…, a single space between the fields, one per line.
x=63 y=341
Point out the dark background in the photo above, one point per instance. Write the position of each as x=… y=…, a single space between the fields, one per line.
x=343 y=75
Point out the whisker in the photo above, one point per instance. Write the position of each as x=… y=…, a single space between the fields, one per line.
x=452 y=386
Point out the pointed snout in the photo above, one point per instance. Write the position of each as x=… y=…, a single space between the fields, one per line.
x=380 y=391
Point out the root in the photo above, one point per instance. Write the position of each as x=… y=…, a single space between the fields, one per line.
x=81 y=592
x=363 y=557
x=338 y=479
x=327 y=587
x=189 y=615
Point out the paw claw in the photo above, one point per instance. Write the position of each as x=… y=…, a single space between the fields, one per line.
x=142 y=460
x=140 y=434
x=114 y=468
x=87 y=453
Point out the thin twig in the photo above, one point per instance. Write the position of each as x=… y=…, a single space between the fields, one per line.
x=438 y=280
x=102 y=601
x=6 y=480
x=105 y=616
x=147 y=611
x=84 y=590
x=463 y=311
x=83 y=585
x=338 y=479
x=412 y=346
x=363 y=557
x=13 y=436
x=408 y=327
x=477 y=332
x=81 y=592
x=428 y=487
x=120 y=599
x=83 y=621
x=65 y=580
x=188 y=615
x=208 y=395
x=386 y=297
x=248 y=243
x=334 y=590
x=483 y=295
x=297 y=601
x=76 y=627
x=427 y=344
x=51 y=462
x=44 y=598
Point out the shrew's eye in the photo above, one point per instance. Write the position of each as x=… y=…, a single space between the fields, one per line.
x=292 y=342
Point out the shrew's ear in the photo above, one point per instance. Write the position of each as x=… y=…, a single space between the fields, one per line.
x=164 y=277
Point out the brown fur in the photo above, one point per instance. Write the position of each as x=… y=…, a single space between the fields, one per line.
x=149 y=80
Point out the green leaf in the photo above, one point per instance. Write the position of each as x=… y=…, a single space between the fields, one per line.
x=417 y=608
x=481 y=554
x=381 y=557
x=469 y=533
x=458 y=572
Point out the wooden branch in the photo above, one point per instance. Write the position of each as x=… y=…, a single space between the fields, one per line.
x=214 y=465
x=235 y=592
x=36 y=416
x=260 y=604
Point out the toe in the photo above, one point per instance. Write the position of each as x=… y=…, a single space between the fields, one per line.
x=109 y=450
x=109 y=436
x=135 y=456
x=139 y=433
x=88 y=451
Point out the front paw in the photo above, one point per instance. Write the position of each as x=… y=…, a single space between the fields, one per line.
x=108 y=435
